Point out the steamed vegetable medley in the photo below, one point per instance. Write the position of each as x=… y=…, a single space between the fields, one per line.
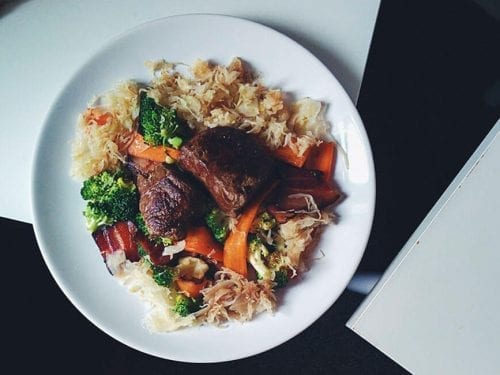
x=204 y=190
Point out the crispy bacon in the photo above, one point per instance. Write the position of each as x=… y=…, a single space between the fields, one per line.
x=119 y=236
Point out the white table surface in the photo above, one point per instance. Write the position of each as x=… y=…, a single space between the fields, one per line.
x=43 y=42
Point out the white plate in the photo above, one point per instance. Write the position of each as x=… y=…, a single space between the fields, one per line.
x=69 y=250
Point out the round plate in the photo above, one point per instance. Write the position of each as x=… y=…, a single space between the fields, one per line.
x=70 y=252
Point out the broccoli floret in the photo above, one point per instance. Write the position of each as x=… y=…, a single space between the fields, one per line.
x=163 y=275
x=96 y=216
x=157 y=124
x=266 y=221
x=281 y=278
x=185 y=305
x=217 y=221
x=257 y=253
x=97 y=186
x=110 y=197
x=268 y=264
x=141 y=224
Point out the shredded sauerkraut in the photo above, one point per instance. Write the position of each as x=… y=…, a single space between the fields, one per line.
x=160 y=317
x=217 y=95
x=234 y=297
x=297 y=235
x=101 y=146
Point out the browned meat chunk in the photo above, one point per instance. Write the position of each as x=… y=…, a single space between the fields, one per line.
x=168 y=200
x=231 y=164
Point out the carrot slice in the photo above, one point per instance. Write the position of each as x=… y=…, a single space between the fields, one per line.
x=236 y=246
x=97 y=116
x=286 y=154
x=191 y=288
x=322 y=158
x=140 y=149
x=200 y=240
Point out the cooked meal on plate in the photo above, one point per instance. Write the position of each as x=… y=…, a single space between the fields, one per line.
x=205 y=190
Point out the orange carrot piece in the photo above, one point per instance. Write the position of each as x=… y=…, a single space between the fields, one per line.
x=286 y=154
x=140 y=149
x=95 y=115
x=200 y=240
x=191 y=288
x=322 y=158
x=235 y=252
x=236 y=246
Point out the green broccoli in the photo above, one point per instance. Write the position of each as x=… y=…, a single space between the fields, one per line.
x=163 y=275
x=159 y=125
x=185 y=305
x=257 y=254
x=111 y=198
x=141 y=224
x=281 y=278
x=217 y=221
x=266 y=221
x=268 y=264
x=96 y=216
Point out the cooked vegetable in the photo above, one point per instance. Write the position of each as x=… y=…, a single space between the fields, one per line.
x=268 y=264
x=281 y=278
x=96 y=216
x=236 y=246
x=199 y=240
x=142 y=150
x=322 y=158
x=217 y=221
x=290 y=156
x=159 y=125
x=111 y=198
x=185 y=305
x=191 y=268
x=298 y=186
x=95 y=115
x=191 y=288
x=163 y=275
x=232 y=296
x=266 y=221
x=141 y=224
x=257 y=253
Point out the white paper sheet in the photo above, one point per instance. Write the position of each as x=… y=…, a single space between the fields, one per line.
x=436 y=309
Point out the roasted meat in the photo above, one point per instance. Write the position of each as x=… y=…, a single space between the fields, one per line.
x=232 y=165
x=168 y=199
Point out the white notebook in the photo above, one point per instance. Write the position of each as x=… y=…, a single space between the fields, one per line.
x=436 y=310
